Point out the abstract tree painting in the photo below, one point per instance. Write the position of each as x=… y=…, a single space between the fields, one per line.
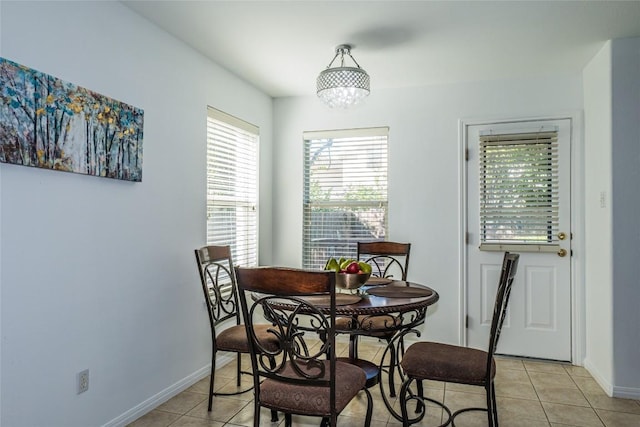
x=48 y=123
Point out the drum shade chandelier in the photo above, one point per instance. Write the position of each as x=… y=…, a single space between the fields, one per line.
x=343 y=87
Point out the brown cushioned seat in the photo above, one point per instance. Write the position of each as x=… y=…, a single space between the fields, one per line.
x=234 y=338
x=443 y=362
x=306 y=400
x=370 y=323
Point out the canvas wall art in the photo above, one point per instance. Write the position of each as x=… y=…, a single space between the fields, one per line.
x=48 y=123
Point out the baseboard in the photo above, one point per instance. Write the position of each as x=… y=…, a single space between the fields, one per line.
x=166 y=394
x=626 y=392
x=605 y=384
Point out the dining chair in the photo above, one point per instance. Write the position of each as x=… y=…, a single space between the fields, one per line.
x=306 y=378
x=388 y=260
x=455 y=364
x=215 y=266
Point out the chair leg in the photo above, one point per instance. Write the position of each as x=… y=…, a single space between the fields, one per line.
x=406 y=395
x=256 y=413
x=367 y=419
x=487 y=390
x=238 y=369
x=287 y=420
x=211 y=377
x=274 y=413
x=420 y=390
x=494 y=406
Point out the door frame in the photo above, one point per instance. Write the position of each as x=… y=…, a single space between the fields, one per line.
x=577 y=288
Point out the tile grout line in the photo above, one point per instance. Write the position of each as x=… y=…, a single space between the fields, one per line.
x=586 y=398
x=535 y=390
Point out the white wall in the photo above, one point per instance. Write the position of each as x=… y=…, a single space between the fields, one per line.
x=424 y=177
x=99 y=273
x=612 y=201
x=598 y=276
x=625 y=203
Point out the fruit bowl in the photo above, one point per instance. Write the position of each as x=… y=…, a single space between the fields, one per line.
x=351 y=280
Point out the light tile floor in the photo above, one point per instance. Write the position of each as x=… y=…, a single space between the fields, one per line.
x=529 y=394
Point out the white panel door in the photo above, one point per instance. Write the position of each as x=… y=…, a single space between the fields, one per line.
x=538 y=322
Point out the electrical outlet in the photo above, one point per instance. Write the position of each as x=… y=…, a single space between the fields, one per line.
x=83 y=381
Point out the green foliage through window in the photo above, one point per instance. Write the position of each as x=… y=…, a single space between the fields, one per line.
x=345 y=193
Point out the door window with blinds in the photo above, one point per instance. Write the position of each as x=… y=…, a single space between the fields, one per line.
x=232 y=186
x=519 y=191
x=345 y=192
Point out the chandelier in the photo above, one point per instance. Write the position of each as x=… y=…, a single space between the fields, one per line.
x=343 y=87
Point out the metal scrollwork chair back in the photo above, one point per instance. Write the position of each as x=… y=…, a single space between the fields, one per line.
x=387 y=259
x=301 y=376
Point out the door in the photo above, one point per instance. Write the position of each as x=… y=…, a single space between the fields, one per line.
x=518 y=200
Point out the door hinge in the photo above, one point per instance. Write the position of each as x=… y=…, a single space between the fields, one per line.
x=466 y=321
x=467 y=238
x=466 y=154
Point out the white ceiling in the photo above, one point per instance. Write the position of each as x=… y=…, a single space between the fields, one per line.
x=281 y=46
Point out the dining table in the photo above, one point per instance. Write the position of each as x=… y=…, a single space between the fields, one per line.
x=402 y=306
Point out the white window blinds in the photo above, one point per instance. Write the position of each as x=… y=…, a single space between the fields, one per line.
x=345 y=192
x=232 y=186
x=519 y=190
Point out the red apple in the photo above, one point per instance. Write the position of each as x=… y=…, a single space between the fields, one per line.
x=353 y=268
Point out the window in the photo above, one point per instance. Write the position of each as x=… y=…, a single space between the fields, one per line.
x=519 y=190
x=232 y=186
x=345 y=192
